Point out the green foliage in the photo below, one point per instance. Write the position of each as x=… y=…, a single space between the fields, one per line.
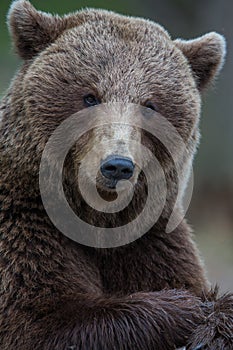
x=4 y=37
x=61 y=7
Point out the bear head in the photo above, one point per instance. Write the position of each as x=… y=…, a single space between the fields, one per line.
x=96 y=57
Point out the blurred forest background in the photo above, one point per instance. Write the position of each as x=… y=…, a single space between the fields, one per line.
x=211 y=210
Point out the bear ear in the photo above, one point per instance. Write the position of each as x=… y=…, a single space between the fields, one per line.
x=32 y=30
x=205 y=55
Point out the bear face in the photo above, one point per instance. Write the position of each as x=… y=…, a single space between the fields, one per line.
x=114 y=59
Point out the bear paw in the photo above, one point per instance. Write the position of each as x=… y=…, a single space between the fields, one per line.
x=217 y=331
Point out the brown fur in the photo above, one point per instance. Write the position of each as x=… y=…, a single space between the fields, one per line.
x=55 y=293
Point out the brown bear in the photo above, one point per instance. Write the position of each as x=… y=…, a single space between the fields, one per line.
x=56 y=293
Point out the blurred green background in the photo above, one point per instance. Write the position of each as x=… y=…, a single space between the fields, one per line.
x=211 y=210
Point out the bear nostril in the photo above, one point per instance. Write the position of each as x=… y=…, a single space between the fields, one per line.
x=110 y=168
x=117 y=168
x=126 y=170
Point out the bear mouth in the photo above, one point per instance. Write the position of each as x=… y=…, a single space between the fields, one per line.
x=109 y=190
x=106 y=185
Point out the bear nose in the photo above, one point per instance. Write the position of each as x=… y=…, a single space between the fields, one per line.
x=117 y=168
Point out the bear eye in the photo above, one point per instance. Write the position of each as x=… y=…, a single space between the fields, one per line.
x=91 y=100
x=152 y=106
